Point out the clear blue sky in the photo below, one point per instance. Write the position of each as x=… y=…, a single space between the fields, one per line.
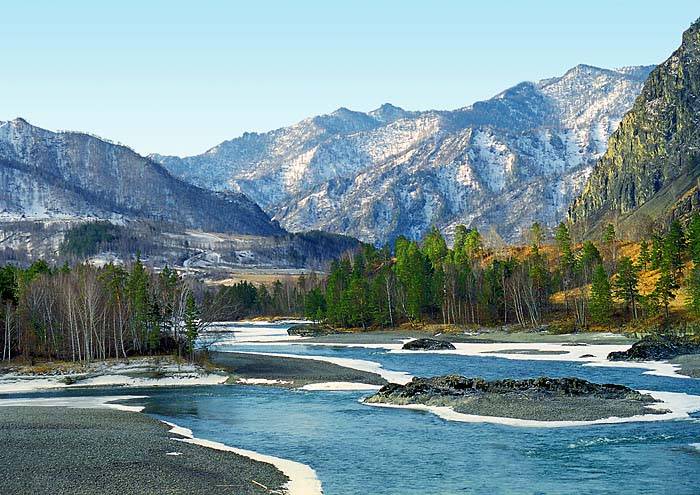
x=179 y=77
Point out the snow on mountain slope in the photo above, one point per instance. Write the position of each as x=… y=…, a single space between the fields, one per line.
x=499 y=164
x=48 y=176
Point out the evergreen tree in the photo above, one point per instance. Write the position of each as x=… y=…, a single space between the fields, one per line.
x=693 y=301
x=137 y=287
x=694 y=238
x=413 y=273
x=601 y=303
x=191 y=323
x=644 y=255
x=626 y=285
x=665 y=287
x=693 y=282
x=657 y=251
x=314 y=305
x=609 y=234
x=609 y=238
x=563 y=240
x=674 y=248
x=541 y=280
x=589 y=255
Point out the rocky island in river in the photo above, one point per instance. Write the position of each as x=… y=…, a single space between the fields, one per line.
x=539 y=399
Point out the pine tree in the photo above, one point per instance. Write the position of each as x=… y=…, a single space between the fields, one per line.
x=657 y=251
x=625 y=286
x=315 y=305
x=694 y=239
x=674 y=248
x=693 y=301
x=693 y=282
x=665 y=287
x=191 y=322
x=609 y=233
x=644 y=255
x=563 y=240
x=601 y=303
x=137 y=288
x=609 y=238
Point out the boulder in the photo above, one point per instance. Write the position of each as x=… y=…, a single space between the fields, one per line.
x=656 y=348
x=428 y=345
x=311 y=330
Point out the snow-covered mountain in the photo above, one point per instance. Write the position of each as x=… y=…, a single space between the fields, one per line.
x=71 y=176
x=499 y=164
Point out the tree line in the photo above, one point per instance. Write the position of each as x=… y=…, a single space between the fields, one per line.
x=470 y=284
x=85 y=312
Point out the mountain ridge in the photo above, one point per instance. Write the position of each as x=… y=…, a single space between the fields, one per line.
x=357 y=173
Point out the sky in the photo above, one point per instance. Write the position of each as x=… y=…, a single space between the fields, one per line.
x=178 y=77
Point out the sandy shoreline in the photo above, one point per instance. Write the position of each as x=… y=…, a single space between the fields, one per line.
x=302 y=478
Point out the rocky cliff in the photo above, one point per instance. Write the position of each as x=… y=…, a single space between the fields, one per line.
x=651 y=168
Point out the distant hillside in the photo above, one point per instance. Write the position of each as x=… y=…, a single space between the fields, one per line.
x=57 y=176
x=651 y=170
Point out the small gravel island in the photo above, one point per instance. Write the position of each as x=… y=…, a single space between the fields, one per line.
x=539 y=399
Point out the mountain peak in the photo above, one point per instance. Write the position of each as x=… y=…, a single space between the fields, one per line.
x=387 y=113
x=19 y=121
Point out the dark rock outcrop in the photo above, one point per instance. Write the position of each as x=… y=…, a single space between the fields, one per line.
x=657 y=347
x=428 y=345
x=311 y=330
x=456 y=386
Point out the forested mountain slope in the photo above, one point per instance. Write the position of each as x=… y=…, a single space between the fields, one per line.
x=56 y=176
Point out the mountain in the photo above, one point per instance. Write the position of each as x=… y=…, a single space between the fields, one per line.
x=500 y=164
x=46 y=175
x=651 y=170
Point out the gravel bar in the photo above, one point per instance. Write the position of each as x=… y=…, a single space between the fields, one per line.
x=58 y=450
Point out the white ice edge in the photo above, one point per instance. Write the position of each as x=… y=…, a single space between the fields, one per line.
x=98 y=402
x=262 y=381
x=680 y=405
x=302 y=478
x=399 y=377
x=339 y=386
x=32 y=383
x=564 y=352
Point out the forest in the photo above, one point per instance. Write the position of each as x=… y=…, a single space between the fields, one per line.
x=582 y=285
x=85 y=312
